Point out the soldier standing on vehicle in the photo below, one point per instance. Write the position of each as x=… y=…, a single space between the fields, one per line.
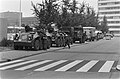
x=67 y=41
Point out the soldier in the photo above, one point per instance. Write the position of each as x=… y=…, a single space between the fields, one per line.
x=43 y=36
x=27 y=28
x=84 y=37
x=67 y=41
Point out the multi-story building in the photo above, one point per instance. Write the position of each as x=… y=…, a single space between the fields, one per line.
x=3 y=28
x=13 y=18
x=110 y=9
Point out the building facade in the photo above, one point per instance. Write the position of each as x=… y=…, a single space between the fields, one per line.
x=110 y=9
x=3 y=28
x=13 y=18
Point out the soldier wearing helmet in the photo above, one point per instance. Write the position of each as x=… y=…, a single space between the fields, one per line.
x=67 y=41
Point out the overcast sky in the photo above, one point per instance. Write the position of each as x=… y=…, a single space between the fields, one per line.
x=13 y=5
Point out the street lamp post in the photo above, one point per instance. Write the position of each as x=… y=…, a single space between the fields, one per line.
x=20 y=18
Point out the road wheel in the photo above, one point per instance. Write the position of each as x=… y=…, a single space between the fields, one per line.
x=20 y=47
x=80 y=41
x=59 y=44
x=45 y=45
x=89 y=39
x=36 y=45
x=30 y=48
x=41 y=44
x=26 y=47
x=16 y=47
x=73 y=41
x=56 y=43
x=48 y=45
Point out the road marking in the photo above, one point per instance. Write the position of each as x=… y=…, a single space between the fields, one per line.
x=10 y=62
x=86 y=67
x=50 y=65
x=59 y=65
x=107 y=66
x=18 y=64
x=33 y=65
x=68 y=66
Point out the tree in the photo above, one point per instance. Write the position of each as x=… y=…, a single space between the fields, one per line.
x=90 y=17
x=67 y=14
x=104 y=27
x=64 y=16
x=46 y=12
x=73 y=7
x=97 y=23
x=74 y=20
x=87 y=16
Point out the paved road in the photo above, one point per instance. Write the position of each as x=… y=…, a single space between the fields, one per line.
x=96 y=60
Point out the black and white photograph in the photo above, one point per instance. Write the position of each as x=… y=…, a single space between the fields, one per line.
x=59 y=39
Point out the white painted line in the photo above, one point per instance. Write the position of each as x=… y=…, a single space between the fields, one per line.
x=18 y=64
x=87 y=66
x=33 y=65
x=107 y=66
x=50 y=65
x=10 y=62
x=70 y=65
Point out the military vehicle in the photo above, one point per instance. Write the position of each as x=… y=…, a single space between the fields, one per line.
x=31 y=39
x=57 y=39
x=75 y=33
x=90 y=33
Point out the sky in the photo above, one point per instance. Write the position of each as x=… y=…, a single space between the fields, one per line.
x=14 y=6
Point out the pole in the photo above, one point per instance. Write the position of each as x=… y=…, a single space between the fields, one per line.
x=20 y=18
x=20 y=15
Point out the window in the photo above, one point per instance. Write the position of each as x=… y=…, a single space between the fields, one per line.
x=113 y=17
x=109 y=8
x=114 y=27
x=113 y=22
x=109 y=3
x=116 y=12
